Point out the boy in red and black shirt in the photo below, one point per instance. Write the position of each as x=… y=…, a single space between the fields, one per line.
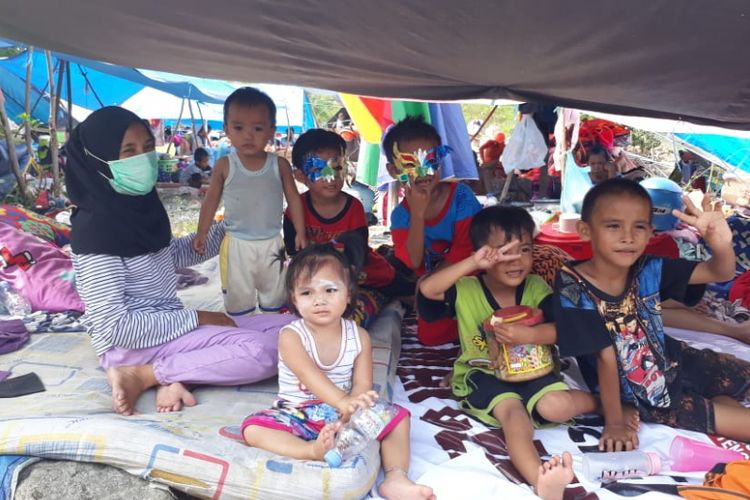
x=318 y=158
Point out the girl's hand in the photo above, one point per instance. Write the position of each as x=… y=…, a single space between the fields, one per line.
x=486 y=257
x=709 y=222
x=349 y=404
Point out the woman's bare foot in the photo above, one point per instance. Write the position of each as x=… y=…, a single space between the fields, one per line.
x=397 y=485
x=171 y=397
x=554 y=476
x=446 y=381
x=128 y=383
x=632 y=417
x=325 y=441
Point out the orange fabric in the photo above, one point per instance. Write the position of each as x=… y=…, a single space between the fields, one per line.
x=731 y=484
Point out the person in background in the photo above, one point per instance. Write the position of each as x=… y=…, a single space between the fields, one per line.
x=199 y=167
x=601 y=166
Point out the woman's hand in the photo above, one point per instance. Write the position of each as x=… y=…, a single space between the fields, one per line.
x=215 y=318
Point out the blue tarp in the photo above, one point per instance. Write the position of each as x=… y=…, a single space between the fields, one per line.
x=735 y=151
x=95 y=84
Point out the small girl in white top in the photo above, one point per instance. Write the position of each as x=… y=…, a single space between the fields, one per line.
x=325 y=374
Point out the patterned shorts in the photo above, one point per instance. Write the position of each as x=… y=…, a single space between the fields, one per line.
x=304 y=420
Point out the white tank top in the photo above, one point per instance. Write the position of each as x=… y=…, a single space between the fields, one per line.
x=339 y=372
x=253 y=200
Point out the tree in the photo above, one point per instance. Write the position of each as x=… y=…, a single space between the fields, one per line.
x=324 y=106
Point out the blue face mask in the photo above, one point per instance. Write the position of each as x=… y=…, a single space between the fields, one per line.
x=134 y=176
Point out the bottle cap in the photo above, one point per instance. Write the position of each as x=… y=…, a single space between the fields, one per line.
x=333 y=458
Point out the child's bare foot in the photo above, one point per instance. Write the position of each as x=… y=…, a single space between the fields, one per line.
x=171 y=397
x=632 y=417
x=128 y=383
x=325 y=440
x=445 y=382
x=397 y=485
x=554 y=476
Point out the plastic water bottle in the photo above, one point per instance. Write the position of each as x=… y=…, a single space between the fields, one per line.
x=620 y=465
x=14 y=302
x=363 y=427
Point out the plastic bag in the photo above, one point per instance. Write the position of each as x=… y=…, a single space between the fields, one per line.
x=575 y=184
x=526 y=148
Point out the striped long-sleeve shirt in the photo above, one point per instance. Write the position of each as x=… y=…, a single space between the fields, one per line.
x=132 y=302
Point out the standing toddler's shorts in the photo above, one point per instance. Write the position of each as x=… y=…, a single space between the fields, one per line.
x=252 y=275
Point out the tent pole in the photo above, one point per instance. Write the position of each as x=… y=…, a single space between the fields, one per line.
x=70 y=97
x=59 y=86
x=176 y=126
x=88 y=83
x=506 y=187
x=194 y=143
x=204 y=124
x=53 y=146
x=25 y=194
x=27 y=104
x=486 y=119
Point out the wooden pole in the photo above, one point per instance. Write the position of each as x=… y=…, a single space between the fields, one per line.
x=176 y=126
x=5 y=122
x=506 y=187
x=59 y=86
x=53 y=146
x=194 y=143
x=204 y=125
x=70 y=97
x=486 y=119
x=27 y=104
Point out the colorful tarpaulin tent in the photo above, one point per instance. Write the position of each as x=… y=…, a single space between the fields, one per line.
x=373 y=117
x=640 y=58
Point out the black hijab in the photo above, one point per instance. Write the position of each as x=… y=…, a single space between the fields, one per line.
x=104 y=221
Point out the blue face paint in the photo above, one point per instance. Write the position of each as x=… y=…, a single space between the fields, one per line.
x=316 y=169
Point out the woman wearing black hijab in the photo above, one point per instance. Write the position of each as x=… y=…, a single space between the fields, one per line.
x=125 y=261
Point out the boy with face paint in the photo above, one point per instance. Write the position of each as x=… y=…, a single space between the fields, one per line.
x=319 y=163
x=430 y=227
